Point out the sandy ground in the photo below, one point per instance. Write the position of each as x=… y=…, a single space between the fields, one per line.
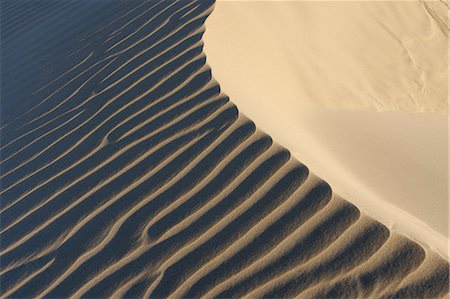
x=356 y=90
x=127 y=172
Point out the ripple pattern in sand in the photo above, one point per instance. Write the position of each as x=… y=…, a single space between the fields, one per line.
x=133 y=175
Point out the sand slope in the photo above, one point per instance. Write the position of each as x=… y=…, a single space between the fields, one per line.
x=335 y=82
x=129 y=174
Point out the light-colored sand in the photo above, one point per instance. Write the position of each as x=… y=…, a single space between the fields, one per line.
x=339 y=83
x=127 y=172
x=363 y=55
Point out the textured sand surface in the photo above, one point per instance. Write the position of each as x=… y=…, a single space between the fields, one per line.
x=126 y=172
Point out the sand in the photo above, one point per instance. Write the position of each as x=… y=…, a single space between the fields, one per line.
x=127 y=172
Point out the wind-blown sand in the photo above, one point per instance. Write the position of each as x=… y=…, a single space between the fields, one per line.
x=126 y=172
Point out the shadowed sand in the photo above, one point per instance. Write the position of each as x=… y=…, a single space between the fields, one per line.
x=126 y=172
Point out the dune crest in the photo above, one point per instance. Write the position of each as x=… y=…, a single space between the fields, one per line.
x=127 y=172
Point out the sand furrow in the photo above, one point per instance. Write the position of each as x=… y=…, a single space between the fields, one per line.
x=55 y=206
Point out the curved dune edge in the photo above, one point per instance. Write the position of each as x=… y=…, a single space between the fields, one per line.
x=312 y=70
x=133 y=175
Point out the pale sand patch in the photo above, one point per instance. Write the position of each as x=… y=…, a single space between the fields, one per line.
x=352 y=55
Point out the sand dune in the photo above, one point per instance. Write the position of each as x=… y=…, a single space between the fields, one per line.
x=126 y=172
x=341 y=80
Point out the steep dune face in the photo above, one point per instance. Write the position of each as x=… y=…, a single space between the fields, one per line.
x=128 y=173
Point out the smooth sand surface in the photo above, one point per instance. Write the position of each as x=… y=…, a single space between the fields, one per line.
x=127 y=172
x=358 y=55
x=355 y=90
